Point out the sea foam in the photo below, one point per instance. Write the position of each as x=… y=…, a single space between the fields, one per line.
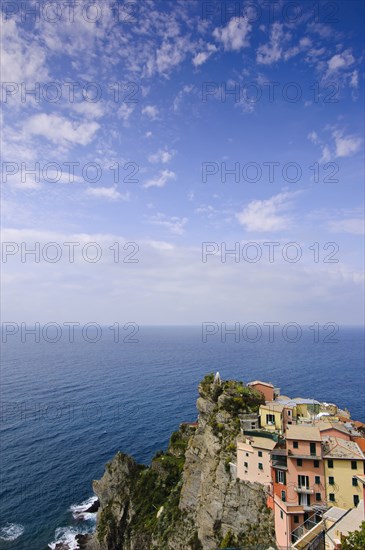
x=11 y=531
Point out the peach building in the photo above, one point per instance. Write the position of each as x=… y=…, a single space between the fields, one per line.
x=253 y=459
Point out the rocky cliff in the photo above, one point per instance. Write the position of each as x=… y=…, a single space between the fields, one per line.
x=189 y=498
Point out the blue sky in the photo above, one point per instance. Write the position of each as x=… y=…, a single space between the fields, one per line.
x=295 y=118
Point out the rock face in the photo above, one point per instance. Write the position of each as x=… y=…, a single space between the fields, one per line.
x=189 y=498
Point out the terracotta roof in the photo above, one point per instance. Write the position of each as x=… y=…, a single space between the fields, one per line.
x=334 y=447
x=301 y=432
x=268 y=384
x=323 y=426
x=358 y=424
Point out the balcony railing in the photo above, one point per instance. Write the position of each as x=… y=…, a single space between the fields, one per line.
x=304 y=490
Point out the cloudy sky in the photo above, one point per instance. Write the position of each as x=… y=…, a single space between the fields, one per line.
x=169 y=134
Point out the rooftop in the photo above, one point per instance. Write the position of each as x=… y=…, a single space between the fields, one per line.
x=263 y=443
x=303 y=433
x=339 y=448
x=255 y=382
x=273 y=406
x=350 y=521
x=334 y=513
x=304 y=401
x=323 y=426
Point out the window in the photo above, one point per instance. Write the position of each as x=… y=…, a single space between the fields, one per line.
x=246 y=464
x=283 y=496
x=261 y=466
x=354 y=482
x=318 y=497
x=270 y=419
x=281 y=514
x=316 y=463
x=260 y=453
x=289 y=413
x=280 y=477
x=303 y=481
x=356 y=500
x=246 y=454
x=330 y=463
x=295 y=444
x=332 y=497
x=296 y=519
x=317 y=480
x=353 y=465
x=299 y=462
x=312 y=448
x=331 y=480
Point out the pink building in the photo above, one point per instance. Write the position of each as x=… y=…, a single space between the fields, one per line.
x=299 y=483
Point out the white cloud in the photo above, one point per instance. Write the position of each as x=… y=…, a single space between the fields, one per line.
x=354 y=81
x=346 y=145
x=162 y=156
x=148 y=135
x=313 y=137
x=203 y=56
x=22 y=59
x=341 y=146
x=340 y=61
x=267 y=215
x=272 y=51
x=174 y=224
x=88 y=110
x=61 y=130
x=160 y=181
x=151 y=111
x=107 y=193
x=168 y=55
x=187 y=89
x=124 y=112
x=234 y=36
x=354 y=226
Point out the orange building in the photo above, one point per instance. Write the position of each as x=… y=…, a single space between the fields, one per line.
x=265 y=388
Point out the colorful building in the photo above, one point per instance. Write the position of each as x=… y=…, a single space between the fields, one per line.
x=265 y=388
x=298 y=487
x=253 y=459
x=271 y=417
x=343 y=461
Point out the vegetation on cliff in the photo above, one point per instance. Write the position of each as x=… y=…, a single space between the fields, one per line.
x=189 y=498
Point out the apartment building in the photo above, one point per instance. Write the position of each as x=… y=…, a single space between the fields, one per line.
x=254 y=460
x=343 y=461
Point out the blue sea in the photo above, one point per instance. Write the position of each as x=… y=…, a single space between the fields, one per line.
x=67 y=408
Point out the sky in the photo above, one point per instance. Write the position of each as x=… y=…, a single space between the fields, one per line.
x=180 y=162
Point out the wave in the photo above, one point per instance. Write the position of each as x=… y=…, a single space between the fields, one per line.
x=82 y=511
x=66 y=537
x=11 y=531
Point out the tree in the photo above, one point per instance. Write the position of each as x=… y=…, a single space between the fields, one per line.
x=355 y=540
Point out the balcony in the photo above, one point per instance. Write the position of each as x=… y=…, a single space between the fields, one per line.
x=292 y=454
x=279 y=464
x=304 y=490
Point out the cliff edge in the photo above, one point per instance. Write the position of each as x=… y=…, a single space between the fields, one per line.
x=189 y=498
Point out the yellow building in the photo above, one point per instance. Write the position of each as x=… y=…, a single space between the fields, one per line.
x=343 y=461
x=271 y=417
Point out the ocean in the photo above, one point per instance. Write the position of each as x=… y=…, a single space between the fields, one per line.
x=67 y=408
